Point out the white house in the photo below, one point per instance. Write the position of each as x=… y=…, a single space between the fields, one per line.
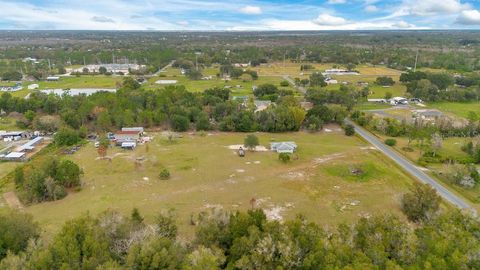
x=283 y=147
x=399 y=101
x=33 y=86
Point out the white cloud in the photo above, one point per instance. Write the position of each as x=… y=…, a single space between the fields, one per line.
x=403 y=25
x=251 y=10
x=371 y=8
x=433 y=7
x=102 y=19
x=334 y=2
x=469 y=17
x=327 y=19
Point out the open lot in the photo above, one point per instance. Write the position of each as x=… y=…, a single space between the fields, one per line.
x=461 y=109
x=324 y=182
x=238 y=87
x=83 y=81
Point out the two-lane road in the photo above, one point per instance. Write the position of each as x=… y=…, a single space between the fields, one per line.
x=412 y=169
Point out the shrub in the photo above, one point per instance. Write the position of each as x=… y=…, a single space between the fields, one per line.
x=284 y=83
x=349 y=130
x=391 y=142
x=164 y=174
x=251 y=142
x=284 y=157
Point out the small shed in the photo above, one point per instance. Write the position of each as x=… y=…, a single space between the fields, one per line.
x=53 y=78
x=129 y=145
x=283 y=147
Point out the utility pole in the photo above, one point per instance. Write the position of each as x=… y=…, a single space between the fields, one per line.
x=196 y=59
x=284 y=56
x=84 y=62
x=49 y=65
x=416 y=60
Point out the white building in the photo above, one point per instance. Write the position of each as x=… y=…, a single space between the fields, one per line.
x=336 y=71
x=112 y=68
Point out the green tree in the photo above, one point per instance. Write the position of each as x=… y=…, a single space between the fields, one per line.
x=66 y=137
x=349 y=130
x=203 y=258
x=68 y=174
x=421 y=203
x=16 y=229
x=317 y=79
x=81 y=244
x=251 y=142
x=180 y=123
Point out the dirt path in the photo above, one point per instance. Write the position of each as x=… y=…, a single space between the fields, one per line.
x=12 y=200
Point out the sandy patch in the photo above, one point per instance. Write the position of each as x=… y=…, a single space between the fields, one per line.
x=274 y=213
x=257 y=162
x=327 y=158
x=12 y=200
x=240 y=170
x=259 y=148
x=293 y=175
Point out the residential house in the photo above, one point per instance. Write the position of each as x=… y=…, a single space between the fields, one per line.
x=283 y=147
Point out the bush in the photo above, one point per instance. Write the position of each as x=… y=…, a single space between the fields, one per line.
x=165 y=174
x=180 y=123
x=284 y=83
x=391 y=142
x=284 y=157
x=349 y=130
x=66 y=137
x=421 y=203
x=251 y=142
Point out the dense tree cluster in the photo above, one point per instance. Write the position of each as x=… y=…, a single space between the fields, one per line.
x=248 y=241
x=439 y=87
x=172 y=106
x=46 y=180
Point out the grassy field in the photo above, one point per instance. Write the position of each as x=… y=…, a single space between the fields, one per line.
x=451 y=147
x=457 y=108
x=245 y=88
x=83 y=82
x=7 y=123
x=207 y=174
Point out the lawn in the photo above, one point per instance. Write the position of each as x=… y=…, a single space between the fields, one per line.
x=83 y=82
x=7 y=123
x=457 y=108
x=207 y=174
x=238 y=87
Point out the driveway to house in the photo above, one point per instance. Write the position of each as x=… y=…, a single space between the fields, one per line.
x=413 y=169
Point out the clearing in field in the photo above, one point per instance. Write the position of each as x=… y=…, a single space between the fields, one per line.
x=332 y=179
x=461 y=109
x=84 y=81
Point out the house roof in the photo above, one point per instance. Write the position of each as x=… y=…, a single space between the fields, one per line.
x=15 y=155
x=283 y=145
x=127 y=132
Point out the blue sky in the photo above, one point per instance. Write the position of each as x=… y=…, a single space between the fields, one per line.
x=239 y=15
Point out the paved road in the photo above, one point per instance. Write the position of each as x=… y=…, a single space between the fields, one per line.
x=301 y=89
x=412 y=169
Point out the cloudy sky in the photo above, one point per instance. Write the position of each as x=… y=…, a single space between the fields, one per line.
x=239 y=14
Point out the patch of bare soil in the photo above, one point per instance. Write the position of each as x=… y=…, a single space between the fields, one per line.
x=324 y=159
x=12 y=200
